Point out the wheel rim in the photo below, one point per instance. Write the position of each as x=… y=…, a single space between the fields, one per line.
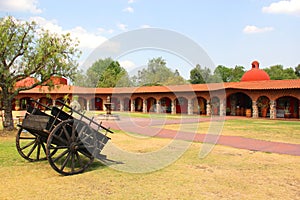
x=30 y=146
x=66 y=153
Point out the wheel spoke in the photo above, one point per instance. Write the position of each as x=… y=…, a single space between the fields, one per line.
x=44 y=148
x=74 y=128
x=38 y=151
x=28 y=145
x=65 y=161
x=79 y=159
x=60 y=139
x=61 y=155
x=32 y=149
x=72 y=162
x=67 y=134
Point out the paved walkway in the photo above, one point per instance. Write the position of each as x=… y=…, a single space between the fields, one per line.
x=144 y=126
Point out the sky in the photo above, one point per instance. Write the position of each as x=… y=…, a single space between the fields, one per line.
x=231 y=32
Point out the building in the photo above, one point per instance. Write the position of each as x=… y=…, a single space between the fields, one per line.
x=254 y=96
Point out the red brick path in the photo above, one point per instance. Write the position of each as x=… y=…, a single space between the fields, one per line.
x=143 y=126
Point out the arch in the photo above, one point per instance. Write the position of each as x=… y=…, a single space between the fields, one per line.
x=215 y=105
x=83 y=102
x=238 y=103
x=166 y=105
x=151 y=104
x=181 y=105
x=115 y=103
x=127 y=103
x=199 y=106
x=138 y=103
x=96 y=104
x=263 y=105
x=287 y=107
x=23 y=102
x=46 y=101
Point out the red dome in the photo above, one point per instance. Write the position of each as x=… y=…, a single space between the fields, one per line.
x=58 y=80
x=255 y=74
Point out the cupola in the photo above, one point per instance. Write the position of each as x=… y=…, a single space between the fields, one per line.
x=255 y=74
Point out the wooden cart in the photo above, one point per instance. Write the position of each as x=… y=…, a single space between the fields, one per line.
x=68 y=140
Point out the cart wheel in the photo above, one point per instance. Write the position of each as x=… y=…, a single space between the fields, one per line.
x=30 y=146
x=65 y=152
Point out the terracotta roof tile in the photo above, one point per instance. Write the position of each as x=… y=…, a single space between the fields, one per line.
x=249 y=85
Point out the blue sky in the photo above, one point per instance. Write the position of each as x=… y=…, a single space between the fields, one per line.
x=232 y=32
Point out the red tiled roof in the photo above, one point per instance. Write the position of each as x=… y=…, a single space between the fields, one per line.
x=265 y=85
x=248 y=85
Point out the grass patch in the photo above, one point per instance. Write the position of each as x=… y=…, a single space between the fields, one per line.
x=226 y=173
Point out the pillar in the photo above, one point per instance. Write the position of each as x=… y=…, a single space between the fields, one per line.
x=272 y=109
x=223 y=107
x=144 y=106
x=158 y=109
x=121 y=105
x=254 y=110
x=87 y=105
x=173 y=106
x=208 y=108
x=233 y=105
x=132 y=105
x=190 y=107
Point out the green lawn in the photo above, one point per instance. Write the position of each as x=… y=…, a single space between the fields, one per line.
x=226 y=173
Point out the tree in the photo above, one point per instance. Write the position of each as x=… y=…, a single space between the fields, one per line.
x=297 y=71
x=114 y=76
x=224 y=73
x=199 y=75
x=237 y=73
x=104 y=73
x=157 y=73
x=277 y=72
x=26 y=50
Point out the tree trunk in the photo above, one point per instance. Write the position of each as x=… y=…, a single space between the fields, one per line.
x=8 y=122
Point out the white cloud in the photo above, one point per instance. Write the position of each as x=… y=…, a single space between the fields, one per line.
x=20 y=6
x=254 y=29
x=145 y=26
x=122 y=27
x=128 y=9
x=87 y=40
x=127 y=64
x=131 y=1
x=291 y=7
x=103 y=30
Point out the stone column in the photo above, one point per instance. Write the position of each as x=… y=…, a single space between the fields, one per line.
x=87 y=105
x=190 y=107
x=173 y=106
x=208 y=108
x=144 y=106
x=121 y=105
x=254 y=110
x=233 y=105
x=222 y=107
x=158 y=109
x=272 y=109
x=132 y=105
